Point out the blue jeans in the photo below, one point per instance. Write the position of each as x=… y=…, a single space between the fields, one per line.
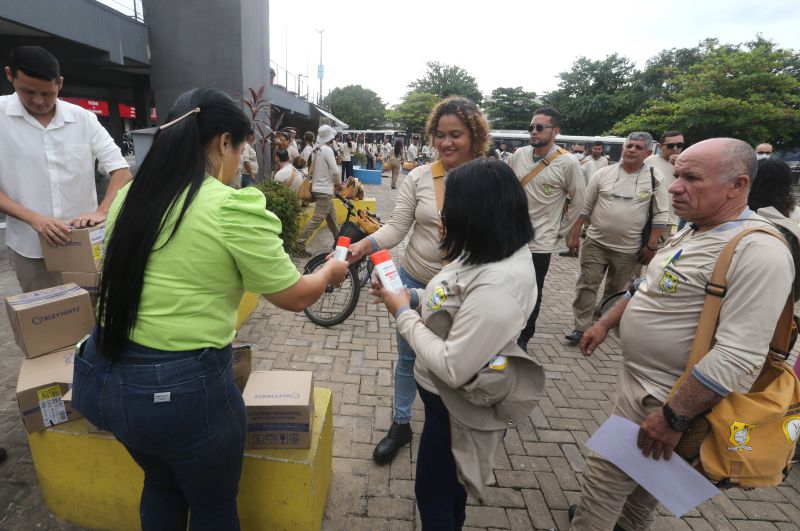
x=405 y=388
x=441 y=499
x=181 y=418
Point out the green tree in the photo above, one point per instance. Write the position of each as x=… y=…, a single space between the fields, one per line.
x=412 y=113
x=750 y=91
x=358 y=107
x=594 y=94
x=447 y=80
x=510 y=107
x=657 y=80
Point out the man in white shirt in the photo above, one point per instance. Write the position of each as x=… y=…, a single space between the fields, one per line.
x=559 y=178
x=658 y=321
x=502 y=153
x=287 y=174
x=617 y=205
x=589 y=165
x=48 y=150
x=671 y=146
x=413 y=151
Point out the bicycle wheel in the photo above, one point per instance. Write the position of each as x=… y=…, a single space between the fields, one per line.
x=336 y=304
x=364 y=267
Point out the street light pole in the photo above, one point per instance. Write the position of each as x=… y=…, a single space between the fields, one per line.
x=320 y=71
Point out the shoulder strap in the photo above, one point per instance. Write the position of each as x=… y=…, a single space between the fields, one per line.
x=314 y=156
x=294 y=176
x=716 y=289
x=542 y=164
x=437 y=171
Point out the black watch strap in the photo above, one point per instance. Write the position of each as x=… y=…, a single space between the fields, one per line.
x=680 y=423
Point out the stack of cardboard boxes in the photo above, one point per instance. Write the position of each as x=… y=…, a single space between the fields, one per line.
x=48 y=323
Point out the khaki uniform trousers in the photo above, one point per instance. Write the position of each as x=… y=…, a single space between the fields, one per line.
x=31 y=272
x=323 y=210
x=596 y=260
x=608 y=496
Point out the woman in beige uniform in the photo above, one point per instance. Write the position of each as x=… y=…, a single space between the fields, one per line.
x=474 y=381
x=461 y=134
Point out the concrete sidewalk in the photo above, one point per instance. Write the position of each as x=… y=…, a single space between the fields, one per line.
x=538 y=469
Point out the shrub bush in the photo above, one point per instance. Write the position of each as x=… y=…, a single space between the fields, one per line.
x=360 y=159
x=284 y=203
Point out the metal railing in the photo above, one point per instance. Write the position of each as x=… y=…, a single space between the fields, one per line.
x=129 y=8
x=298 y=84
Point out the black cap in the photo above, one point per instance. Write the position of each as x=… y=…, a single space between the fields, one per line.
x=36 y=62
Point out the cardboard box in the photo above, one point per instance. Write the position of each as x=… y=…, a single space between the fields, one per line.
x=50 y=319
x=83 y=253
x=41 y=385
x=280 y=409
x=242 y=364
x=88 y=281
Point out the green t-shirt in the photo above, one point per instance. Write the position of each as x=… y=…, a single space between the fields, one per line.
x=227 y=244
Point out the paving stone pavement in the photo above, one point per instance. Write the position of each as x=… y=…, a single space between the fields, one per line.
x=538 y=468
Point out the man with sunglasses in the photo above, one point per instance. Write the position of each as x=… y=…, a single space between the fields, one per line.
x=616 y=209
x=557 y=177
x=671 y=146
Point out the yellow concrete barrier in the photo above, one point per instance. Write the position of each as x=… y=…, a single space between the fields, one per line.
x=368 y=203
x=90 y=480
x=247 y=305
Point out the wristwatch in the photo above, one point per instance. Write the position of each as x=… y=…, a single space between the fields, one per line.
x=677 y=422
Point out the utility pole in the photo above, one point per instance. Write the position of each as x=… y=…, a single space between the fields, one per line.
x=320 y=68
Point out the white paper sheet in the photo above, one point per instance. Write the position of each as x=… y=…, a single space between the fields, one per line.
x=678 y=486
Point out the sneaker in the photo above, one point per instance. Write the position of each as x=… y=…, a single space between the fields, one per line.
x=574 y=336
x=399 y=435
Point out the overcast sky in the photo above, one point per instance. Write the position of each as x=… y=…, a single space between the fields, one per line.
x=383 y=46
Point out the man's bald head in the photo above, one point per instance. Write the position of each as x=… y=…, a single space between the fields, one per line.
x=732 y=157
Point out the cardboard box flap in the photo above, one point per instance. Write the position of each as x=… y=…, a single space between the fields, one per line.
x=48 y=369
x=278 y=389
x=23 y=301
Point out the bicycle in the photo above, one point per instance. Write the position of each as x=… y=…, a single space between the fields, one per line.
x=337 y=303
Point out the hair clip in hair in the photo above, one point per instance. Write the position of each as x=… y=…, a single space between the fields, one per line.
x=179 y=118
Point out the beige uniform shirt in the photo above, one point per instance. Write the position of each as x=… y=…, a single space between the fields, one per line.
x=468 y=313
x=667 y=173
x=415 y=211
x=659 y=324
x=284 y=176
x=591 y=166
x=547 y=193
x=617 y=205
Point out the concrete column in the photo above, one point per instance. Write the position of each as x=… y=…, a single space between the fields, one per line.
x=222 y=44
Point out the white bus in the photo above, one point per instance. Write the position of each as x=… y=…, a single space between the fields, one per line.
x=612 y=145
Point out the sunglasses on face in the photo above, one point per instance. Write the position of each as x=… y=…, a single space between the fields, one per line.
x=539 y=128
x=764 y=152
x=678 y=145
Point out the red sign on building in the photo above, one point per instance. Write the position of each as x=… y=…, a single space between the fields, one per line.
x=99 y=107
x=126 y=112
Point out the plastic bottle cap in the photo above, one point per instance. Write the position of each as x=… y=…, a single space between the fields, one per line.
x=378 y=257
x=343 y=241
